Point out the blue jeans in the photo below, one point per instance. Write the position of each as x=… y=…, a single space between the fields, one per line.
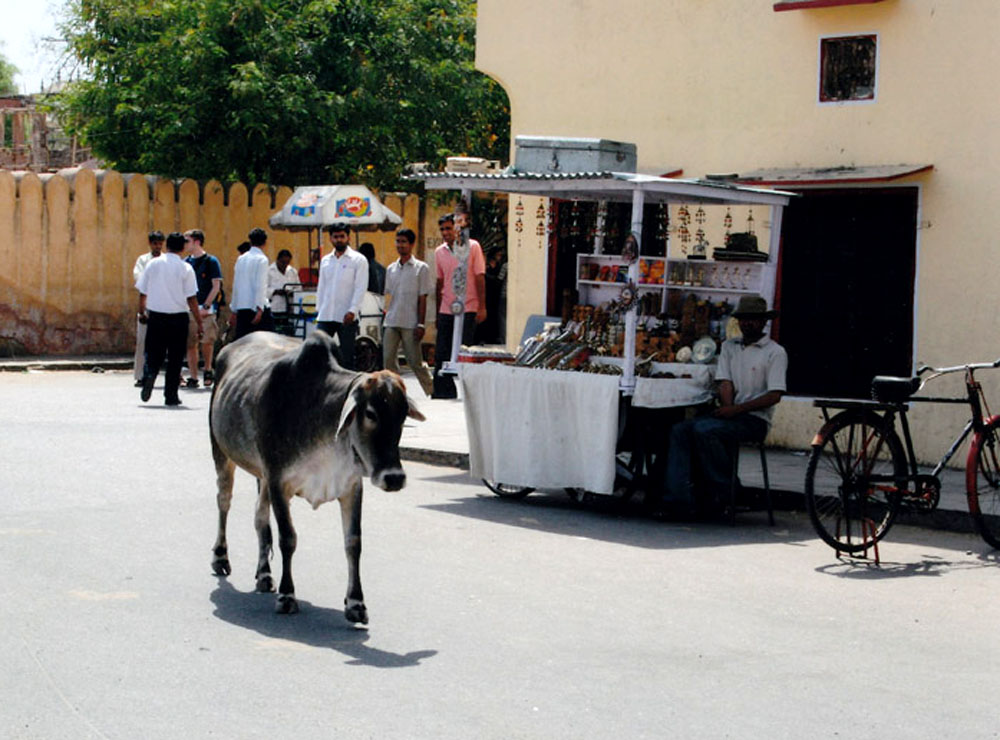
x=700 y=458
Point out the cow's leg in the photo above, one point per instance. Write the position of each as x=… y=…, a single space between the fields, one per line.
x=286 y=543
x=262 y=523
x=350 y=515
x=224 y=468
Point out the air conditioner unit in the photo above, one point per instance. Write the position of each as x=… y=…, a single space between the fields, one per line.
x=476 y=165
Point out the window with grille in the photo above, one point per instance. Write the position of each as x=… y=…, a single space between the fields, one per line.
x=847 y=68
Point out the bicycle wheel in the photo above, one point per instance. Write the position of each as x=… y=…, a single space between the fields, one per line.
x=504 y=490
x=982 y=482
x=848 y=509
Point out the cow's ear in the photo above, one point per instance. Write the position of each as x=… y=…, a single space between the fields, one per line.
x=413 y=412
x=347 y=413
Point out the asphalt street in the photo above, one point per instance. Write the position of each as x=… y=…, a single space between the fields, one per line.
x=489 y=618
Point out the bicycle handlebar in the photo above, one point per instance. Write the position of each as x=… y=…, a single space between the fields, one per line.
x=958 y=368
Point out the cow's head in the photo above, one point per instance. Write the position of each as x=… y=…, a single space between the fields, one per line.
x=372 y=419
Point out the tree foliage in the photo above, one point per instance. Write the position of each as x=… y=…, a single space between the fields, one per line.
x=7 y=74
x=280 y=91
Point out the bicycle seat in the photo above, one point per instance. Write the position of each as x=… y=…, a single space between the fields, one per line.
x=887 y=389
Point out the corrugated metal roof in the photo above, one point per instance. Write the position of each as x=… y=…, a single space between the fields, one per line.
x=512 y=175
x=611 y=186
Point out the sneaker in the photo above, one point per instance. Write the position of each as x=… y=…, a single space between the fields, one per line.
x=147 y=388
x=191 y=383
x=172 y=402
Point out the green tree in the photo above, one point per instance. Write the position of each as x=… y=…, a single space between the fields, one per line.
x=280 y=91
x=7 y=74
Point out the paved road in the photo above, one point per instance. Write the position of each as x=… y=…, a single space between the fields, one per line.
x=489 y=618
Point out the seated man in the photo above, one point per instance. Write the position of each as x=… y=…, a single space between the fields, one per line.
x=751 y=378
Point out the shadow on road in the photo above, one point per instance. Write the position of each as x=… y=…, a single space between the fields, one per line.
x=930 y=565
x=314 y=626
x=622 y=522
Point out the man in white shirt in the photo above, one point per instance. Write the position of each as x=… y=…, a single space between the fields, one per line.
x=280 y=274
x=751 y=378
x=249 y=304
x=343 y=280
x=155 y=249
x=407 y=285
x=168 y=291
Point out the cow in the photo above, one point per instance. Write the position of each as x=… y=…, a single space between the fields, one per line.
x=286 y=412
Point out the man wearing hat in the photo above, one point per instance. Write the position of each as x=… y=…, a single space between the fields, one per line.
x=751 y=381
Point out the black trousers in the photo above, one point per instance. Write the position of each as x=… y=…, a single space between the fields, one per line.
x=346 y=334
x=244 y=317
x=444 y=384
x=166 y=338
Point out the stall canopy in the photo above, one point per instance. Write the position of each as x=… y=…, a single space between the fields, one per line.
x=316 y=206
x=626 y=187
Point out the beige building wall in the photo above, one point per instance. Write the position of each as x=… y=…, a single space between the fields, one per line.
x=729 y=86
x=68 y=243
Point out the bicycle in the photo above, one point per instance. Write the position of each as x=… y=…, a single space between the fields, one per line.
x=860 y=474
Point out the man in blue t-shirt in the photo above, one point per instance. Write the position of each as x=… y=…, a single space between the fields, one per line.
x=208 y=273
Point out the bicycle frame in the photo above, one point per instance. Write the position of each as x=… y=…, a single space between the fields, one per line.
x=973 y=399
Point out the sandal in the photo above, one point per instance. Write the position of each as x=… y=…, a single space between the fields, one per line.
x=208 y=376
x=191 y=383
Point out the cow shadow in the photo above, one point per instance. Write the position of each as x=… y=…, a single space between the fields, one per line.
x=314 y=626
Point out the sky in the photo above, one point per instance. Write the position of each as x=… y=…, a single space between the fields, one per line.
x=25 y=24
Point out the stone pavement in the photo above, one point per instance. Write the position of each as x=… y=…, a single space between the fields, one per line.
x=442 y=440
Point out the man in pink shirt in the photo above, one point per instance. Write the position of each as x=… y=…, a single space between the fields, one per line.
x=461 y=289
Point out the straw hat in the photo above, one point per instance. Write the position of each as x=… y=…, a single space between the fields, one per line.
x=753 y=307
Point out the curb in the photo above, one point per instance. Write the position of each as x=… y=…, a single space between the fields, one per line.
x=93 y=365
x=458 y=460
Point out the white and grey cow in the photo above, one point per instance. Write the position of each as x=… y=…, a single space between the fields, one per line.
x=286 y=412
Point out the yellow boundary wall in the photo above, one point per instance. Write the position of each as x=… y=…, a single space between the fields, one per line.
x=68 y=242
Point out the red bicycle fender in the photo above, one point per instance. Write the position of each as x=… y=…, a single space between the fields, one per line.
x=970 y=466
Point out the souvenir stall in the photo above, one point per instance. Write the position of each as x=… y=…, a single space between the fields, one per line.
x=644 y=332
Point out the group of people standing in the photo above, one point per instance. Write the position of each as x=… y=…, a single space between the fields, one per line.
x=181 y=295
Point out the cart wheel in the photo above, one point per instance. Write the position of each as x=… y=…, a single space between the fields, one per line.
x=367 y=357
x=504 y=490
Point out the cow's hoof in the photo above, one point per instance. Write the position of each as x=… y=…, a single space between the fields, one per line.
x=356 y=614
x=221 y=567
x=265 y=584
x=286 y=604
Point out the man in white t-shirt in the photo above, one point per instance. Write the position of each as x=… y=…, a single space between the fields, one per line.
x=168 y=294
x=751 y=378
x=407 y=285
x=251 y=310
x=155 y=250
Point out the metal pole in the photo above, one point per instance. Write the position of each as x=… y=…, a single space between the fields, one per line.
x=628 y=376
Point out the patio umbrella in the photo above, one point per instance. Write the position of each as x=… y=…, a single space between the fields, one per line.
x=315 y=206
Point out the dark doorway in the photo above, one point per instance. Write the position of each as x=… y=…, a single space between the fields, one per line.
x=848 y=261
